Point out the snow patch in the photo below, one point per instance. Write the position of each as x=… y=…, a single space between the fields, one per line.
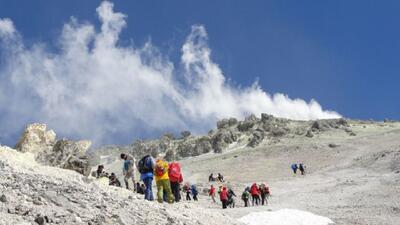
x=285 y=217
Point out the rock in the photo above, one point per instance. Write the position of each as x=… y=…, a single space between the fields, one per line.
x=185 y=134
x=278 y=132
x=309 y=134
x=70 y=155
x=40 y=220
x=266 y=117
x=224 y=123
x=222 y=139
x=36 y=138
x=244 y=126
x=322 y=125
x=331 y=145
x=252 y=118
x=170 y=155
x=3 y=198
x=256 y=139
x=232 y=122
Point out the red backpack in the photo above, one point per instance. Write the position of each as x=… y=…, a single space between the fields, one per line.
x=174 y=171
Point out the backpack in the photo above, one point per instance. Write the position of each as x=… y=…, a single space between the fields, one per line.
x=194 y=189
x=145 y=165
x=174 y=171
x=159 y=169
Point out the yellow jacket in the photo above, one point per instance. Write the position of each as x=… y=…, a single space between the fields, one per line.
x=161 y=164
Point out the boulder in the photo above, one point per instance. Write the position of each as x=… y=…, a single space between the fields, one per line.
x=224 y=123
x=222 y=139
x=36 y=138
x=257 y=137
x=278 y=132
x=322 y=125
x=70 y=155
x=309 y=134
x=185 y=134
x=244 y=126
x=266 y=117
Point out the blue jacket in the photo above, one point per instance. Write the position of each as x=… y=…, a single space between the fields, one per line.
x=294 y=166
x=146 y=175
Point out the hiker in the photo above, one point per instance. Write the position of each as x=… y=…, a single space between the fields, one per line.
x=113 y=180
x=146 y=168
x=194 y=191
x=231 y=201
x=128 y=170
x=223 y=196
x=175 y=179
x=186 y=189
x=220 y=178
x=255 y=194
x=211 y=178
x=162 y=181
x=294 y=168
x=302 y=168
x=245 y=198
x=100 y=171
x=211 y=193
x=264 y=191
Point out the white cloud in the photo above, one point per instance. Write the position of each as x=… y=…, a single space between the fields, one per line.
x=94 y=88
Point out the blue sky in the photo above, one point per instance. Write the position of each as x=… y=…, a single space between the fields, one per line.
x=344 y=54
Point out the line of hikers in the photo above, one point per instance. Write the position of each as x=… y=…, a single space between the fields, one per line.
x=300 y=167
x=258 y=193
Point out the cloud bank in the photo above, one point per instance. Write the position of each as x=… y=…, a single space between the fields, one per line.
x=94 y=88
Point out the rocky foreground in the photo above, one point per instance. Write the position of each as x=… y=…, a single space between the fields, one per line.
x=35 y=194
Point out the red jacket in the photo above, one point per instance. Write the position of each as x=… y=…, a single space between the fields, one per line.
x=223 y=195
x=254 y=190
x=212 y=191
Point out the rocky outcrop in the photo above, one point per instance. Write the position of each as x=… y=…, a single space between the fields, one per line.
x=36 y=138
x=47 y=150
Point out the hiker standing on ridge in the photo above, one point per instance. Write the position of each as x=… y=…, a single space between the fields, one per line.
x=294 y=168
x=128 y=170
x=162 y=181
x=146 y=167
x=175 y=178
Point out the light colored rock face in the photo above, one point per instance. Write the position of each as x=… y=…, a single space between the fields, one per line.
x=36 y=138
x=66 y=154
x=56 y=196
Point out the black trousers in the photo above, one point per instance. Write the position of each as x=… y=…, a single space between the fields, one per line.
x=175 y=191
x=224 y=203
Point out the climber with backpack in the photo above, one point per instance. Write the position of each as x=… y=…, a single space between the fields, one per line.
x=231 y=200
x=194 y=191
x=128 y=169
x=186 y=189
x=146 y=167
x=294 y=168
x=264 y=191
x=246 y=197
x=162 y=181
x=255 y=194
x=175 y=179
x=223 y=196
x=302 y=168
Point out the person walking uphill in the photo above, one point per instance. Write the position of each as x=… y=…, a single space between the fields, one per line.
x=128 y=170
x=162 y=181
x=212 y=193
x=146 y=168
x=223 y=196
x=175 y=178
x=294 y=168
x=255 y=194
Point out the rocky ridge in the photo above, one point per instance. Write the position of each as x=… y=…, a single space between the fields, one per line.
x=251 y=132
